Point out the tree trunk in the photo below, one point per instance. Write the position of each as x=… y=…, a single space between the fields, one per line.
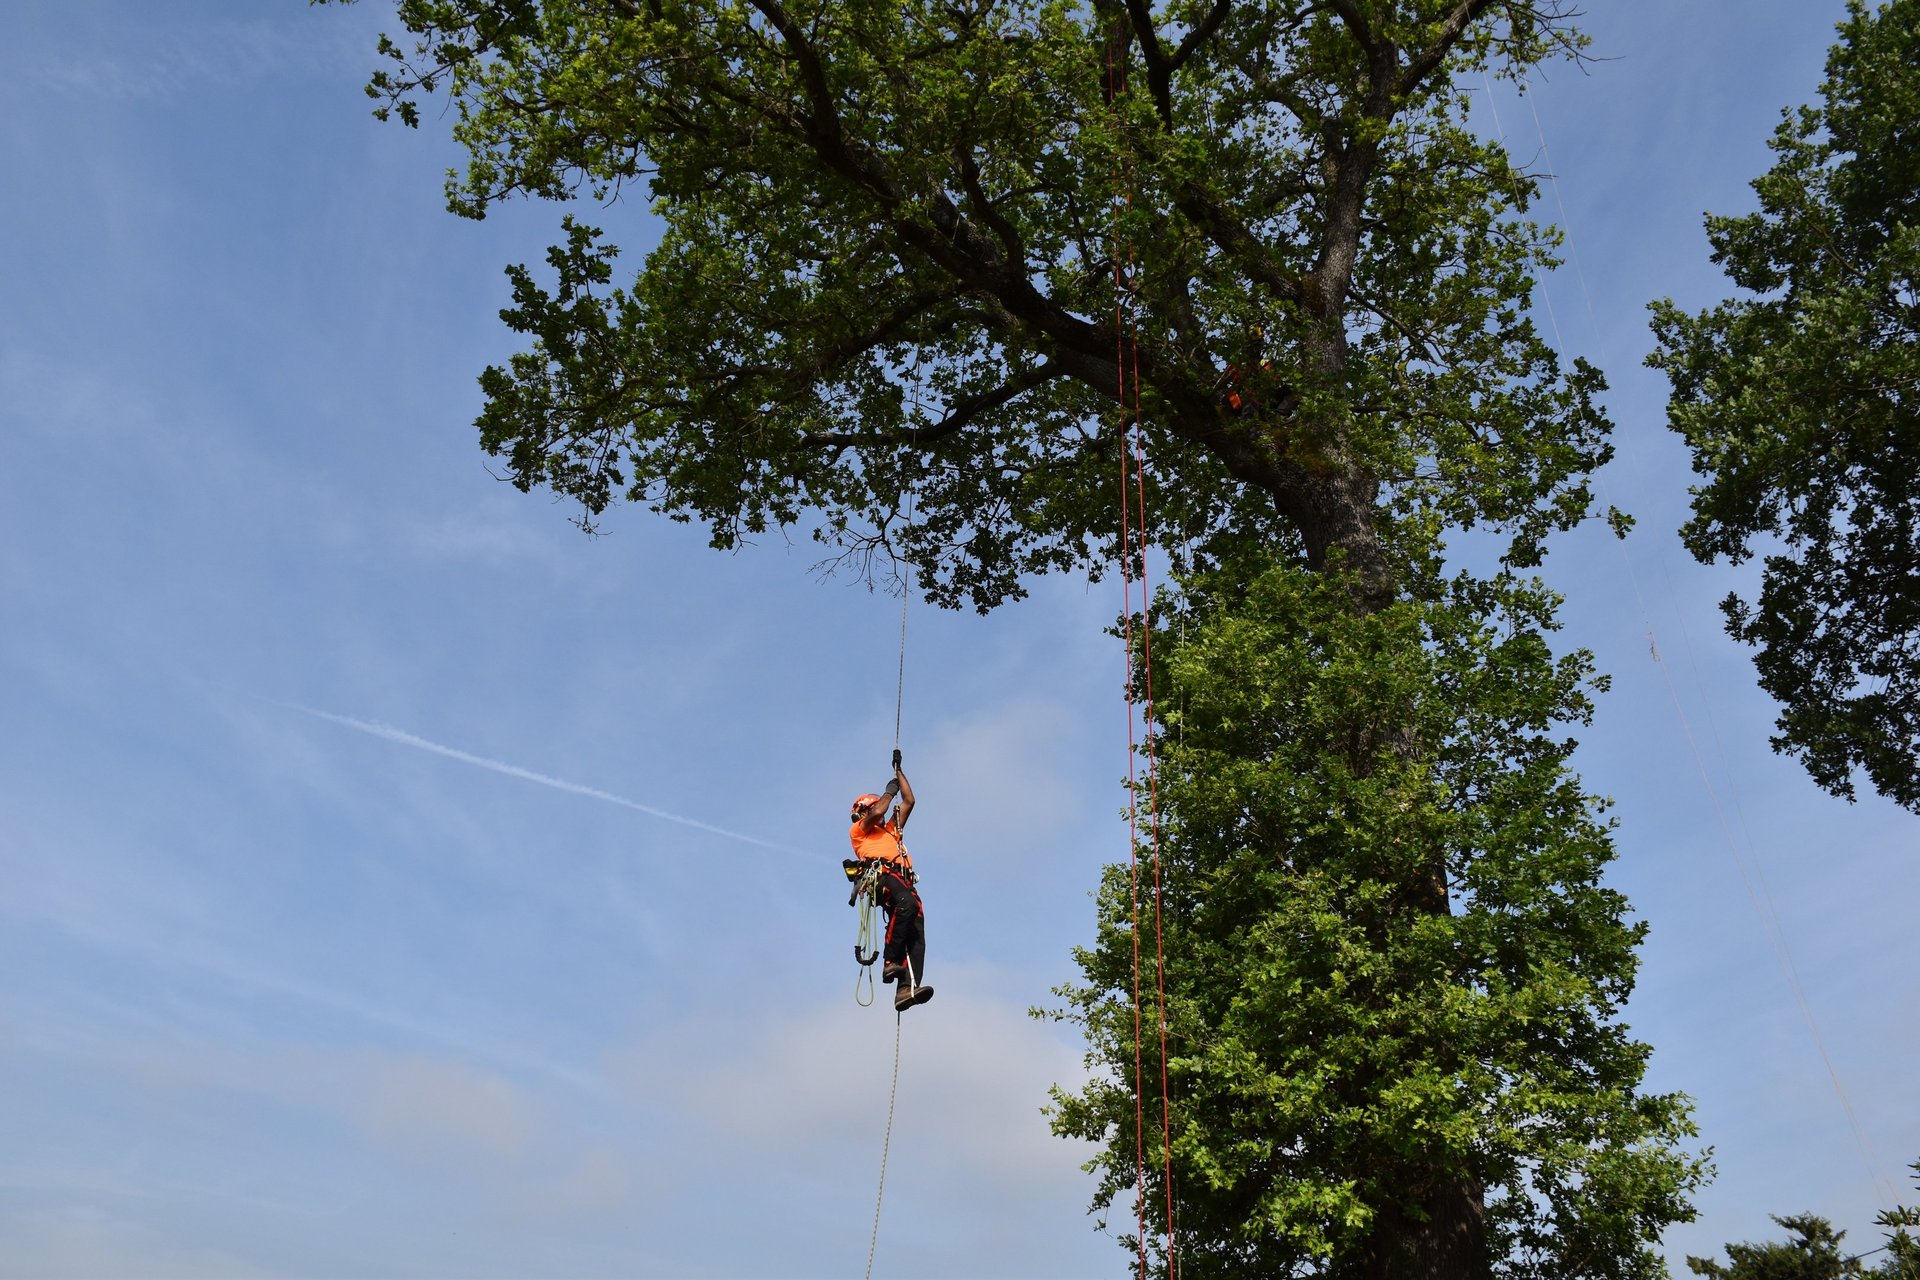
x=1449 y=1244
x=1445 y=1237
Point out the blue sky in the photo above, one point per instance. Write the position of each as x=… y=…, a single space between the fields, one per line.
x=290 y=992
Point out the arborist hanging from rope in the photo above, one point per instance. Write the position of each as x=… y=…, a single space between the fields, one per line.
x=882 y=866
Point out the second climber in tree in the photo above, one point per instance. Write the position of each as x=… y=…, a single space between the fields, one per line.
x=876 y=838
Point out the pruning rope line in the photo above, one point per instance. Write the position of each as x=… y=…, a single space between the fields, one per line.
x=1153 y=794
x=1761 y=898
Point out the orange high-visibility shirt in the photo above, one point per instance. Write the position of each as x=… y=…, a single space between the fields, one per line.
x=883 y=842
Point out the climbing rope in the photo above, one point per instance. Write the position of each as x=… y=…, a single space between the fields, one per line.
x=869 y=893
x=886 y=1144
x=906 y=575
x=1133 y=531
x=1153 y=791
x=906 y=591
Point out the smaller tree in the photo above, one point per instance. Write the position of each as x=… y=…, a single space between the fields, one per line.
x=1815 y=1252
x=1903 y=1248
x=1801 y=403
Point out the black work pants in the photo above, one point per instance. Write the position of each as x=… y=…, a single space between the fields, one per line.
x=906 y=924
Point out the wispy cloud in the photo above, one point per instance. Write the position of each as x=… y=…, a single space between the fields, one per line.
x=405 y=739
x=135 y=62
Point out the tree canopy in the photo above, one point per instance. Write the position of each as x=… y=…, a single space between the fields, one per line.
x=1799 y=401
x=903 y=243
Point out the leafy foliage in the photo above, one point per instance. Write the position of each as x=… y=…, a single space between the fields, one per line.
x=1798 y=400
x=1343 y=1047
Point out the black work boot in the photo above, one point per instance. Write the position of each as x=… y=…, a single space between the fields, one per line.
x=905 y=995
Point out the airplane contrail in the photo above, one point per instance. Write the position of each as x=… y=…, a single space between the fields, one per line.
x=406 y=739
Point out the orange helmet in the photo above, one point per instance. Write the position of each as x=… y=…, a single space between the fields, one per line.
x=864 y=803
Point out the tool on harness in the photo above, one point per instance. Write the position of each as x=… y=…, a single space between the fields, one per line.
x=864 y=875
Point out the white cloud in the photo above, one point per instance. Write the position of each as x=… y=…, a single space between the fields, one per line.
x=419 y=1105
x=599 y=1182
x=974 y=1074
x=1002 y=775
x=460 y=536
x=173 y=63
x=436 y=1107
x=84 y=1241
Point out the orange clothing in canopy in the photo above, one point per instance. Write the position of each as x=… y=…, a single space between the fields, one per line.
x=882 y=842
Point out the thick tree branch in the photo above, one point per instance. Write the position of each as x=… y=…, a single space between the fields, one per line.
x=1159 y=73
x=960 y=415
x=1356 y=19
x=1353 y=156
x=977 y=198
x=972 y=258
x=1423 y=64
x=826 y=116
x=1162 y=66
x=1202 y=31
x=1232 y=238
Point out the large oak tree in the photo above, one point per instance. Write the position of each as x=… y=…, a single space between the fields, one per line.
x=938 y=255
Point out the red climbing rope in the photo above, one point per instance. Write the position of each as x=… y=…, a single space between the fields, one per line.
x=1120 y=334
x=1153 y=796
x=1133 y=522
